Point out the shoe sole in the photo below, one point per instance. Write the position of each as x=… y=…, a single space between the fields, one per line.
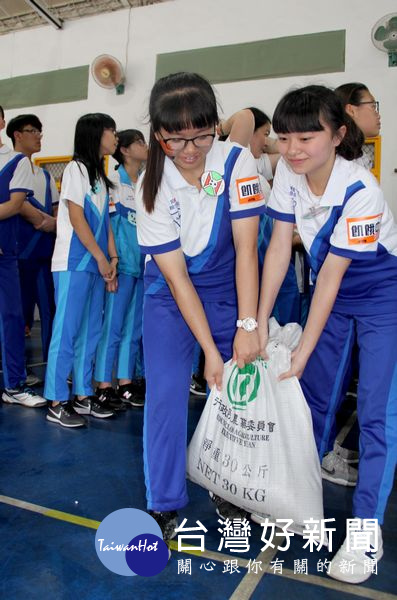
x=56 y=420
x=196 y=393
x=332 y=479
x=129 y=403
x=338 y=576
x=89 y=413
x=100 y=416
x=10 y=400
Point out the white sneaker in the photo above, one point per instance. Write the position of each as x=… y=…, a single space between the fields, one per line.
x=23 y=395
x=335 y=469
x=354 y=566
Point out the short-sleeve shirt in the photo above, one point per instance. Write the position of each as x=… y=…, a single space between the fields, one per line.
x=187 y=217
x=265 y=166
x=33 y=243
x=123 y=220
x=15 y=176
x=351 y=219
x=41 y=187
x=69 y=253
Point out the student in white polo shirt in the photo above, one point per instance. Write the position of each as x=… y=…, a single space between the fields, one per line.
x=197 y=216
x=15 y=186
x=35 y=246
x=84 y=258
x=121 y=336
x=348 y=231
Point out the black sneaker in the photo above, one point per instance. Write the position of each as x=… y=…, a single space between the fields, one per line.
x=91 y=406
x=226 y=509
x=138 y=387
x=126 y=394
x=168 y=522
x=64 y=414
x=198 y=386
x=109 y=399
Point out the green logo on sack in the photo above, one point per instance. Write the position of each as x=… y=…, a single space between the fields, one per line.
x=243 y=385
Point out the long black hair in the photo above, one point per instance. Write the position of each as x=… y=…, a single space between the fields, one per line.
x=308 y=108
x=178 y=101
x=87 y=143
x=126 y=138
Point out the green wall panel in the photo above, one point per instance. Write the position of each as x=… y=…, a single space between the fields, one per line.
x=52 y=87
x=308 y=54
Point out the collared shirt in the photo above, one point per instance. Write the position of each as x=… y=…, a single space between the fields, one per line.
x=33 y=243
x=15 y=176
x=122 y=209
x=40 y=187
x=69 y=253
x=351 y=219
x=183 y=215
x=200 y=223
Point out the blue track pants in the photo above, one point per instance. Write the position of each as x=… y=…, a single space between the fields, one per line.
x=79 y=297
x=12 y=329
x=168 y=350
x=323 y=382
x=121 y=331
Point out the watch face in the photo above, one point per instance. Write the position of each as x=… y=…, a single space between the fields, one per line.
x=249 y=324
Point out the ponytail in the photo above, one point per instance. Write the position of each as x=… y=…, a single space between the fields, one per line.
x=351 y=147
x=153 y=172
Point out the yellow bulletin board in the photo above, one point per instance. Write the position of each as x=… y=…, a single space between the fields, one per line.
x=372 y=149
x=55 y=165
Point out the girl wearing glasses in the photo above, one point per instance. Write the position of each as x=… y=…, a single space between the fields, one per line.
x=197 y=214
x=122 y=327
x=84 y=257
x=362 y=107
x=349 y=233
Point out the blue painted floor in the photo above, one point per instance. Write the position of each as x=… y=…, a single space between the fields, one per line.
x=98 y=470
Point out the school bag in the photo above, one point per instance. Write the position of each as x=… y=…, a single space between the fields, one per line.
x=254 y=444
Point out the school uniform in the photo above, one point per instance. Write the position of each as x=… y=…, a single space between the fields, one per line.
x=352 y=220
x=15 y=176
x=201 y=225
x=35 y=249
x=287 y=305
x=79 y=287
x=122 y=326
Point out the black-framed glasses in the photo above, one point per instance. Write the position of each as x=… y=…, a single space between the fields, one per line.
x=33 y=131
x=200 y=141
x=374 y=104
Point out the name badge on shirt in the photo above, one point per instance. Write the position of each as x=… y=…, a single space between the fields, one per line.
x=249 y=190
x=212 y=183
x=363 y=230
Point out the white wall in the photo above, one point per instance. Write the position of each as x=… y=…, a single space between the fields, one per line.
x=185 y=24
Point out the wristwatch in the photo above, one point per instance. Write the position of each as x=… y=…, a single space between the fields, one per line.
x=248 y=324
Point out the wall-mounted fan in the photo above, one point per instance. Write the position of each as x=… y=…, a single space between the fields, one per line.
x=384 y=37
x=107 y=71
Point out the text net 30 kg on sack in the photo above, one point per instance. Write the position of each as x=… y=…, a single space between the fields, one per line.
x=254 y=443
